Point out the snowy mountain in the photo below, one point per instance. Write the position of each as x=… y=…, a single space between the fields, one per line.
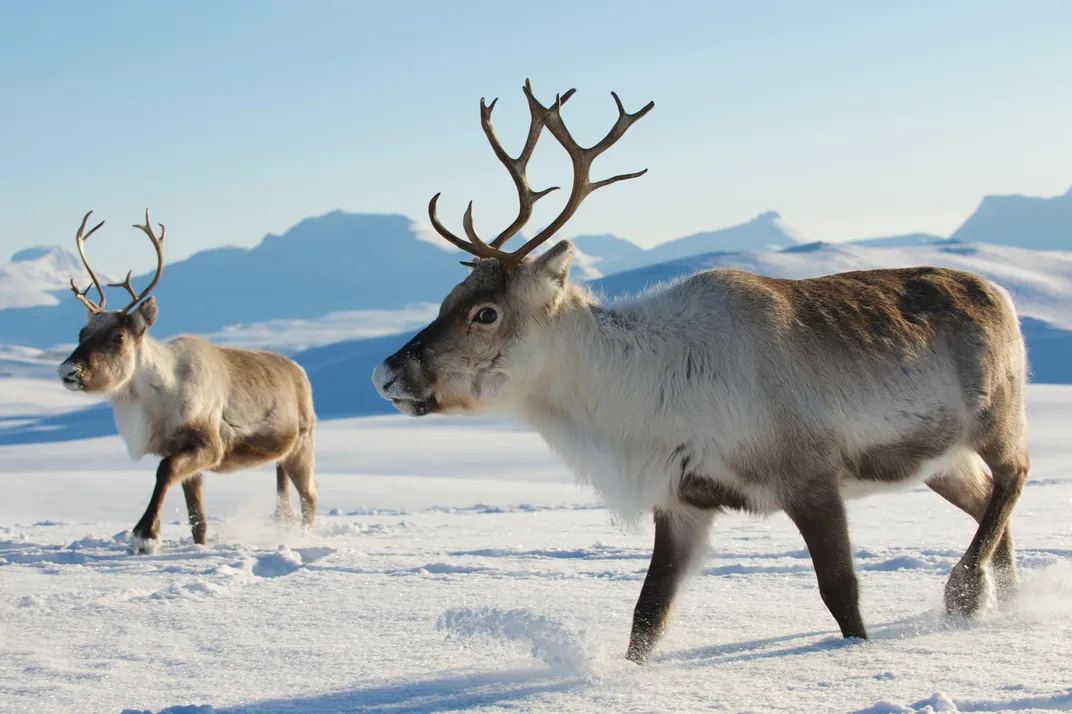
x=34 y=274
x=338 y=262
x=327 y=268
x=1024 y=221
x=331 y=263
x=610 y=254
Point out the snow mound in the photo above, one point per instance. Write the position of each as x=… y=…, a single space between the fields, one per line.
x=939 y=702
x=282 y=562
x=549 y=641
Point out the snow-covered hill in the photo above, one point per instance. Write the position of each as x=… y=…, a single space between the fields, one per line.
x=338 y=262
x=610 y=254
x=35 y=274
x=331 y=263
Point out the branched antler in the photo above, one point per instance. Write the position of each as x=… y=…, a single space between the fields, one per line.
x=158 y=244
x=582 y=159
x=82 y=295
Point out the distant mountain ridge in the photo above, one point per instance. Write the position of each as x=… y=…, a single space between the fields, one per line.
x=331 y=263
x=341 y=262
x=1029 y=221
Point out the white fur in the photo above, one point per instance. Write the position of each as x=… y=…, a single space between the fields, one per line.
x=716 y=367
x=594 y=397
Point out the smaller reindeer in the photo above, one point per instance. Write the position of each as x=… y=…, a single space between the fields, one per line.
x=197 y=406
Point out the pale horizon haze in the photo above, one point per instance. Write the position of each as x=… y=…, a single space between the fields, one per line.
x=234 y=120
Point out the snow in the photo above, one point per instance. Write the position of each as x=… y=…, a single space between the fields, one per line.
x=289 y=336
x=456 y=566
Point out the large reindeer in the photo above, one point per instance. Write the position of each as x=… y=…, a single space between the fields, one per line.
x=198 y=406
x=729 y=390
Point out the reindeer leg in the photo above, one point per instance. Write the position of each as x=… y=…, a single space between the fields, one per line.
x=822 y=523
x=192 y=489
x=679 y=538
x=968 y=488
x=283 y=512
x=967 y=583
x=299 y=466
x=197 y=452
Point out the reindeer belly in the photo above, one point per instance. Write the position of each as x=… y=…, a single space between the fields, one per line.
x=248 y=451
x=889 y=474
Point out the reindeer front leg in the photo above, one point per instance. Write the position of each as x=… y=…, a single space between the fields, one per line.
x=821 y=520
x=195 y=507
x=679 y=538
x=196 y=451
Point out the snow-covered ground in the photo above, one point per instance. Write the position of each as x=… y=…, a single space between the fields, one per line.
x=456 y=566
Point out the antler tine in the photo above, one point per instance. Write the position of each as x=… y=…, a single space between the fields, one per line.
x=483 y=249
x=158 y=244
x=80 y=238
x=442 y=230
x=582 y=160
x=518 y=167
x=126 y=285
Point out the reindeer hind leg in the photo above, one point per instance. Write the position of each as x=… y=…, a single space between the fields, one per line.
x=284 y=514
x=299 y=466
x=968 y=487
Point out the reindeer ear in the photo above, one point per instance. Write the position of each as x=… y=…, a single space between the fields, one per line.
x=144 y=317
x=555 y=263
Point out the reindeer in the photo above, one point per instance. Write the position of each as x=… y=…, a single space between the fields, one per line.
x=198 y=406
x=732 y=391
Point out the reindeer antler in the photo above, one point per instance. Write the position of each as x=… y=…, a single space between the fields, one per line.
x=582 y=159
x=82 y=295
x=158 y=244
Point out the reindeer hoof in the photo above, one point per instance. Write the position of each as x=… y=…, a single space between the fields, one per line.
x=285 y=516
x=968 y=593
x=143 y=546
x=638 y=653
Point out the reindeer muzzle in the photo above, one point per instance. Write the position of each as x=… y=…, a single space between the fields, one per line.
x=72 y=374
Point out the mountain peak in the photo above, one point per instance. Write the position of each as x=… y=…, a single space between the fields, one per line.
x=40 y=251
x=767 y=217
x=1024 y=221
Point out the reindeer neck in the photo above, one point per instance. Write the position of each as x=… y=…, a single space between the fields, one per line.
x=585 y=349
x=153 y=372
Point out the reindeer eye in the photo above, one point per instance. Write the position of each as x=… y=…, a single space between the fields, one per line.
x=486 y=316
x=117 y=338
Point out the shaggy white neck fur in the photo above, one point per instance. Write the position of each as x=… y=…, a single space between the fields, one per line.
x=603 y=400
x=154 y=372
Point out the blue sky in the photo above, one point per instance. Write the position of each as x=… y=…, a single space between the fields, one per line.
x=240 y=118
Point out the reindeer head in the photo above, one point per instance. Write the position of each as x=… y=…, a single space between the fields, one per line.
x=108 y=345
x=477 y=353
